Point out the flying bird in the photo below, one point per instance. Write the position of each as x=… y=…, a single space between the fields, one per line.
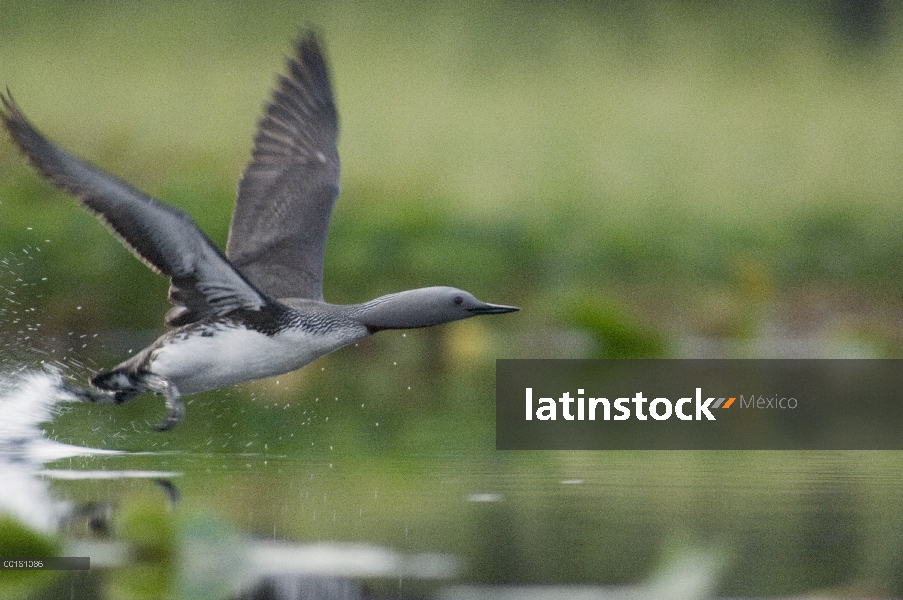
x=256 y=310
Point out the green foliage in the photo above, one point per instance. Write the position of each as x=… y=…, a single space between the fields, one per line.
x=148 y=524
x=616 y=332
x=513 y=150
x=20 y=541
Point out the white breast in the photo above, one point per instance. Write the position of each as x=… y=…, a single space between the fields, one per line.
x=230 y=355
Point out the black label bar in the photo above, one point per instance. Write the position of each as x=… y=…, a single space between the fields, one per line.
x=52 y=563
x=665 y=404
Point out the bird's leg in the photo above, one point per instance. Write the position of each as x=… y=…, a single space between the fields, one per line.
x=163 y=386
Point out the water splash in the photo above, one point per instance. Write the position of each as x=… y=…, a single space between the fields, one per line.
x=28 y=399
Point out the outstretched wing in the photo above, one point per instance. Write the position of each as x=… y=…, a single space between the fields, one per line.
x=203 y=283
x=285 y=198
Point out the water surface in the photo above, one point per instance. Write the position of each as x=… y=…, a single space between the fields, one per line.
x=197 y=513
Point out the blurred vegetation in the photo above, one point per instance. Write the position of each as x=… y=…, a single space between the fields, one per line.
x=644 y=179
x=648 y=155
x=18 y=541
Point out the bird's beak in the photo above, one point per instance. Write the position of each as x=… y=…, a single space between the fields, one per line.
x=492 y=309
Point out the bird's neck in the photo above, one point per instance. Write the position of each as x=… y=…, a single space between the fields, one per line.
x=401 y=310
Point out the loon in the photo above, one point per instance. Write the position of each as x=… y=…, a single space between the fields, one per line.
x=256 y=310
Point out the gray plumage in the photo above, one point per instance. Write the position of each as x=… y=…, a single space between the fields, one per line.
x=258 y=310
x=285 y=198
x=203 y=283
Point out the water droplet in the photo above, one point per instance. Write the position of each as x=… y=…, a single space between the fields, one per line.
x=485 y=497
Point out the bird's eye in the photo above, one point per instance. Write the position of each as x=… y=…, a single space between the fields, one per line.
x=459 y=300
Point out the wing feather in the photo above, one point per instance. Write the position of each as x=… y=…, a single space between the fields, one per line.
x=203 y=283
x=278 y=234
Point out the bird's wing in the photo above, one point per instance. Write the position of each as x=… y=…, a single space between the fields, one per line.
x=203 y=283
x=285 y=198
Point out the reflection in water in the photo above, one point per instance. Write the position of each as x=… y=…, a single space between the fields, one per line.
x=690 y=576
x=214 y=560
x=307 y=520
x=293 y=587
x=140 y=544
x=26 y=401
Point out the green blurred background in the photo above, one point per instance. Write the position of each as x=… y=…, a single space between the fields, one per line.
x=649 y=179
x=637 y=176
